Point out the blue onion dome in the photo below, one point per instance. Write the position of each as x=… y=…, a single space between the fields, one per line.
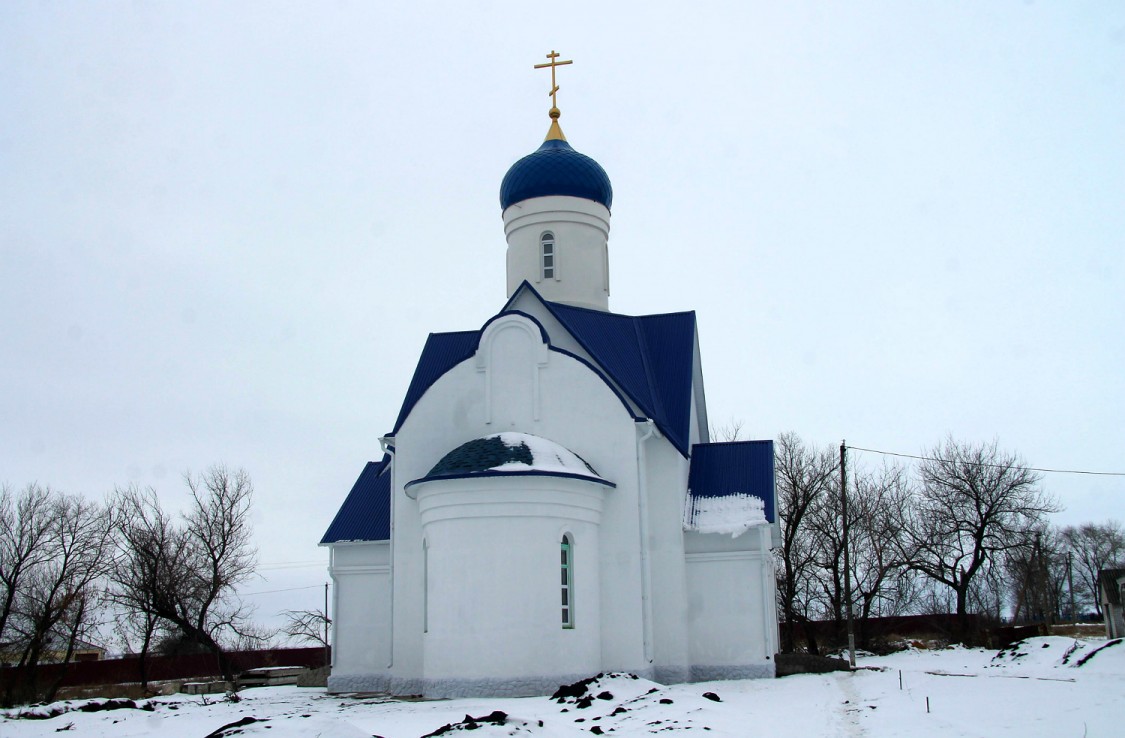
x=555 y=168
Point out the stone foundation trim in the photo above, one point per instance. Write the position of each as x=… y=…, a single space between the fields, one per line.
x=531 y=686
x=760 y=670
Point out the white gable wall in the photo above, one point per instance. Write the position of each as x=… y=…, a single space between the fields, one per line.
x=514 y=383
x=561 y=338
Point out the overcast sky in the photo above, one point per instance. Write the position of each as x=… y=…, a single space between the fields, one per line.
x=227 y=228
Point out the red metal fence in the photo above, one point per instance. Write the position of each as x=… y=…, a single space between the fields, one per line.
x=161 y=668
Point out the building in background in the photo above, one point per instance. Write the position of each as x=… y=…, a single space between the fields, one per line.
x=1111 y=593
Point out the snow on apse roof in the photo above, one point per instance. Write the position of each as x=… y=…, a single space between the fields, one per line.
x=511 y=453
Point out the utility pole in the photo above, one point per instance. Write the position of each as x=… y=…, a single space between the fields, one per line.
x=1045 y=595
x=1070 y=588
x=847 y=558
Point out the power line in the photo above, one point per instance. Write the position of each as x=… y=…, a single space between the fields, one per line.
x=275 y=591
x=290 y=565
x=994 y=466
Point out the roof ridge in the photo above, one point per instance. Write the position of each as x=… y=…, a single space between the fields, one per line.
x=617 y=315
x=665 y=315
x=731 y=443
x=646 y=362
x=452 y=333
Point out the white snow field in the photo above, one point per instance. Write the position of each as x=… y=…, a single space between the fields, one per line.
x=1055 y=686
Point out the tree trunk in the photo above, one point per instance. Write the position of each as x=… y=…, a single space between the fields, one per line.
x=964 y=634
x=143 y=662
x=203 y=638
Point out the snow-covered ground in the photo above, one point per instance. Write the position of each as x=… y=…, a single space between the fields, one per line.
x=1053 y=686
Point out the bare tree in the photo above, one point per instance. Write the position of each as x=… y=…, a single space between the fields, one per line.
x=882 y=584
x=805 y=478
x=153 y=555
x=25 y=524
x=975 y=503
x=185 y=575
x=1036 y=575
x=136 y=632
x=729 y=431
x=310 y=626
x=1093 y=547
x=56 y=595
x=825 y=530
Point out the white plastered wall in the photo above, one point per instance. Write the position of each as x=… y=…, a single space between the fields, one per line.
x=732 y=615
x=666 y=480
x=493 y=620
x=581 y=231
x=361 y=638
x=547 y=394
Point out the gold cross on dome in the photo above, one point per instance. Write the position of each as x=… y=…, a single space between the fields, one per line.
x=553 y=56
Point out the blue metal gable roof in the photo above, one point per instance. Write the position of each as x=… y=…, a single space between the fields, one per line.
x=650 y=357
x=738 y=467
x=442 y=352
x=366 y=512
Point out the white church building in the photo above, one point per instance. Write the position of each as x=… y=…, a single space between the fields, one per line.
x=549 y=505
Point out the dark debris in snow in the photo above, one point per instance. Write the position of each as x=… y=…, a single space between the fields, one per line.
x=233 y=728
x=497 y=717
x=1109 y=644
x=92 y=706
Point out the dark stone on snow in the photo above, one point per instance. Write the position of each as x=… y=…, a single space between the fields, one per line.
x=1082 y=661
x=577 y=689
x=605 y=696
x=712 y=696
x=665 y=701
x=596 y=730
x=100 y=706
x=232 y=728
x=497 y=717
x=112 y=705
